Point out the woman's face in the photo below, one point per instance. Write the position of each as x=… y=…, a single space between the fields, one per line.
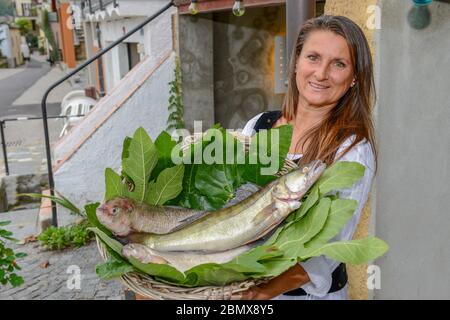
x=324 y=69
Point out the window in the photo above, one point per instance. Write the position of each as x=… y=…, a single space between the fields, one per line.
x=26 y=9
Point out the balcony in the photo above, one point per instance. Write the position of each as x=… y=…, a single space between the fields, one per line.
x=91 y=6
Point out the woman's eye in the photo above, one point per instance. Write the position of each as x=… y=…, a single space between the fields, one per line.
x=340 y=65
x=312 y=57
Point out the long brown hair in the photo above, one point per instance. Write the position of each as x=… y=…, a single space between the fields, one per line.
x=352 y=114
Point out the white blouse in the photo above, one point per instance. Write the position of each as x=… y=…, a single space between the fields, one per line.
x=319 y=269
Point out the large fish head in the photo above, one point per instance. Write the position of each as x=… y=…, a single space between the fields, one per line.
x=295 y=184
x=115 y=214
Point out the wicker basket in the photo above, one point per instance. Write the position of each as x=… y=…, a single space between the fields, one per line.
x=147 y=287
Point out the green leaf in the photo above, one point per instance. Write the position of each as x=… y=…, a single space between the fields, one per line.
x=353 y=252
x=310 y=201
x=126 y=148
x=60 y=199
x=293 y=238
x=93 y=220
x=113 y=268
x=341 y=212
x=143 y=157
x=164 y=144
x=4 y=223
x=114 y=186
x=21 y=255
x=15 y=280
x=341 y=175
x=212 y=275
x=261 y=144
x=167 y=186
x=217 y=181
x=275 y=267
x=167 y=272
x=250 y=261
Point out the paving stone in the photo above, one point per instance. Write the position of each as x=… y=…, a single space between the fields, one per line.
x=51 y=283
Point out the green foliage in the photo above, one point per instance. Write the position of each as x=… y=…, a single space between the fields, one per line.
x=45 y=25
x=25 y=26
x=176 y=109
x=8 y=258
x=59 y=199
x=58 y=238
x=148 y=174
x=32 y=40
x=209 y=186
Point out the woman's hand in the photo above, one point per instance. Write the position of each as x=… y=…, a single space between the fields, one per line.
x=293 y=278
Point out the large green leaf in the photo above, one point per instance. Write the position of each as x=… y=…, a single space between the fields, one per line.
x=261 y=148
x=143 y=157
x=167 y=186
x=164 y=144
x=93 y=220
x=341 y=175
x=212 y=275
x=353 y=252
x=217 y=181
x=341 y=212
x=293 y=238
x=275 y=267
x=113 y=268
x=310 y=201
x=114 y=186
x=163 y=271
x=250 y=261
x=126 y=148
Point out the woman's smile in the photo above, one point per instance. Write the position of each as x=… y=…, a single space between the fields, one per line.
x=318 y=87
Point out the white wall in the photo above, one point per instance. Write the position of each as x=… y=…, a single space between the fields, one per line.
x=5 y=46
x=153 y=38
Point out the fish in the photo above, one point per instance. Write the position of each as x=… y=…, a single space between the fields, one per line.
x=241 y=223
x=181 y=260
x=124 y=216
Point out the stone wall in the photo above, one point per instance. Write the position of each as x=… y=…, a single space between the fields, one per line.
x=13 y=185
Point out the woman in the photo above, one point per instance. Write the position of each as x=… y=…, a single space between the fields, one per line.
x=329 y=101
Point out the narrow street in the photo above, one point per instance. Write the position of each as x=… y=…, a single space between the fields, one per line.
x=21 y=92
x=46 y=273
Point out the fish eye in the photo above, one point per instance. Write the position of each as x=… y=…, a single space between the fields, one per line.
x=115 y=210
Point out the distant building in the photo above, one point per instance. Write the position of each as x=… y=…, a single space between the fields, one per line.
x=10 y=46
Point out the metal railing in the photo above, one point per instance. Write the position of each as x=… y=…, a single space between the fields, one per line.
x=3 y=135
x=72 y=73
x=90 y=6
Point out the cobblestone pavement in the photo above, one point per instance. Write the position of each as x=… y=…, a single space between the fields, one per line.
x=47 y=275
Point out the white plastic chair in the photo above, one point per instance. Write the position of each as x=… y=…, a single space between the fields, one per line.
x=75 y=106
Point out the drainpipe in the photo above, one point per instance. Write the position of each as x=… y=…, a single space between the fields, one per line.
x=297 y=12
x=101 y=78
